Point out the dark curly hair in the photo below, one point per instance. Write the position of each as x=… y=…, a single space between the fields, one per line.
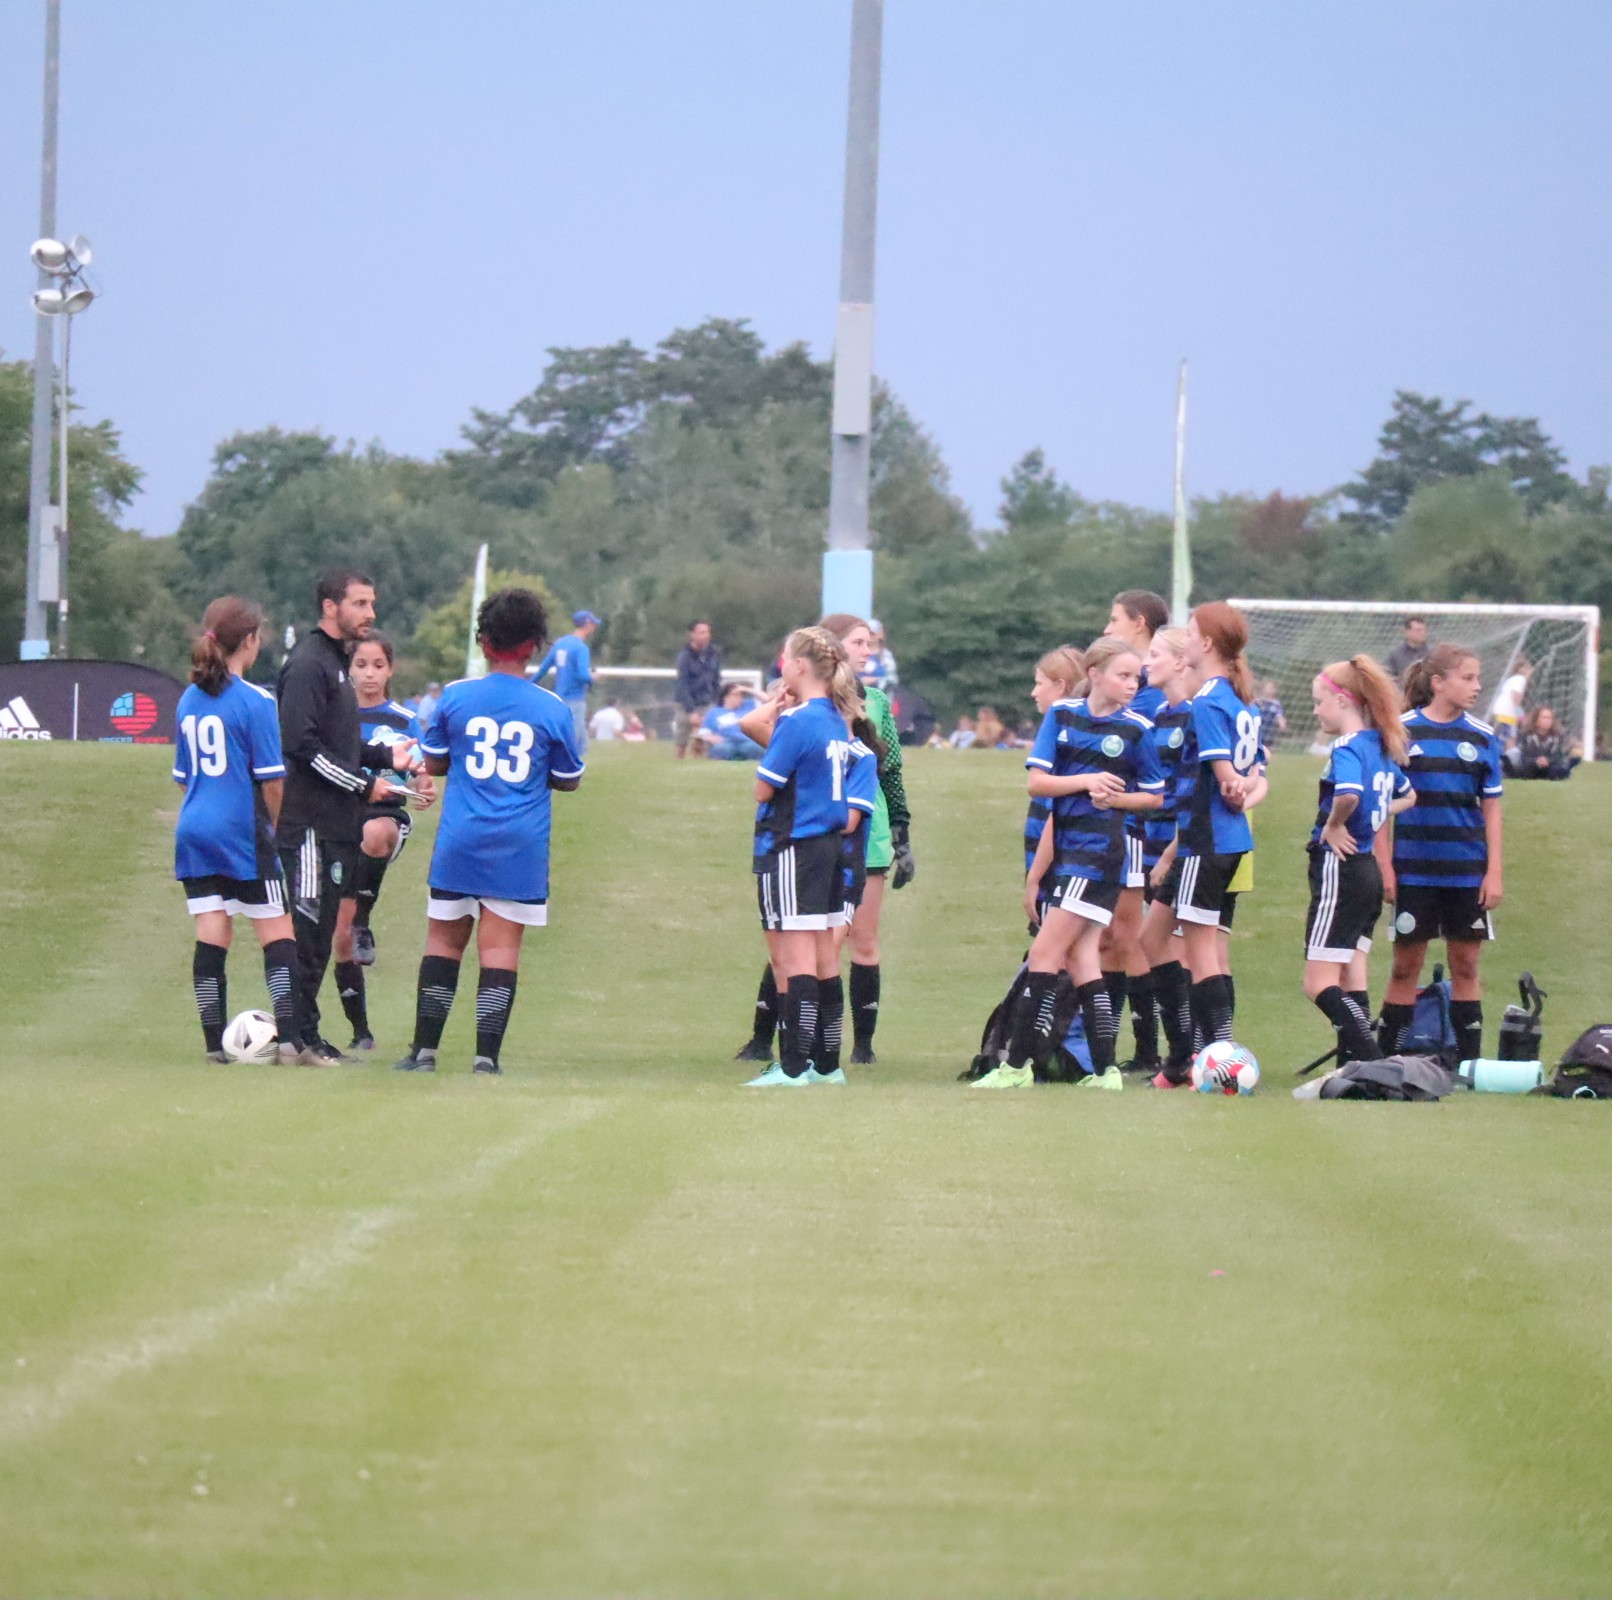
x=512 y=621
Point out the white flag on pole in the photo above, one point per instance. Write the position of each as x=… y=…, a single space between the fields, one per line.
x=475 y=661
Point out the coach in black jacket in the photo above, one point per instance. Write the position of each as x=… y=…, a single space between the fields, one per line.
x=326 y=786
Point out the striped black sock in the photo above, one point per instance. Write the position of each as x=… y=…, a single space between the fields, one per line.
x=766 y=1022
x=1098 y=1016
x=1144 y=1016
x=830 y=1022
x=1032 y=1020
x=212 y=991
x=1173 y=994
x=495 y=999
x=350 y=987
x=1117 y=984
x=439 y=978
x=279 y=976
x=1355 y=1042
x=1396 y=1019
x=798 y=1007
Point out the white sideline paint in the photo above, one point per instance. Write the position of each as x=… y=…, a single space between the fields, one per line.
x=30 y=1411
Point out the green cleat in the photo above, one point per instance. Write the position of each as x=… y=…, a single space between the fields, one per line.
x=814 y=1076
x=418 y=1059
x=776 y=1078
x=1113 y=1079
x=1006 y=1077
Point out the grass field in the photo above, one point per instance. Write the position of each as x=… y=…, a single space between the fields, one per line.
x=612 y=1325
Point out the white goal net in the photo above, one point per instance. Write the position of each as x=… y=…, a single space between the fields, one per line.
x=1291 y=640
x=651 y=692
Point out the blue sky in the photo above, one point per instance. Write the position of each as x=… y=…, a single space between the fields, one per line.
x=369 y=216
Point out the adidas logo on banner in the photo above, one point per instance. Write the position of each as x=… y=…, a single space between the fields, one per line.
x=18 y=722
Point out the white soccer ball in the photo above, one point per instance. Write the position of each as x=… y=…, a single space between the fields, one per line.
x=252 y=1037
x=1225 y=1068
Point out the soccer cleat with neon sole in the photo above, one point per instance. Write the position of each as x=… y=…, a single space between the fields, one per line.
x=1006 y=1077
x=776 y=1078
x=1113 y=1080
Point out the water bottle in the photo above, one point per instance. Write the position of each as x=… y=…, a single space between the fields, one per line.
x=1501 y=1077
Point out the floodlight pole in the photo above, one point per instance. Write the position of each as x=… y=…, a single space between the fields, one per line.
x=41 y=529
x=848 y=562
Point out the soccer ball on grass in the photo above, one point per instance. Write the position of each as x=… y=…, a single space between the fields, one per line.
x=1225 y=1068
x=251 y=1037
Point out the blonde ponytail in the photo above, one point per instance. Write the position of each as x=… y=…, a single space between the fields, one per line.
x=1370 y=687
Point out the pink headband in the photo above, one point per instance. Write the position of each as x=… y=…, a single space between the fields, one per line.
x=209 y=634
x=1338 y=688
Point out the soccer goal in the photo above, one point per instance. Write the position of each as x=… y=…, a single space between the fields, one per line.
x=1291 y=640
x=650 y=691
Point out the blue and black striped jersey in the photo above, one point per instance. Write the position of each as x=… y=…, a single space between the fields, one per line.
x=1221 y=728
x=387 y=724
x=1170 y=726
x=1088 y=842
x=1454 y=767
x=1359 y=765
x=1035 y=823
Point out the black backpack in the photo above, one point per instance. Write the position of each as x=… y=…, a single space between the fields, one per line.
x=997 y=1035
x=1585 y=1071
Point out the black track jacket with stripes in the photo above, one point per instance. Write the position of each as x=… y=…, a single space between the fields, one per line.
x=325 y=754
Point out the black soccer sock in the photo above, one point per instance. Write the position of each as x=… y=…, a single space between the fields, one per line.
x=1229 y=988
x=279 y=976
x=1396 y=1020
x=1116 y=983
x=350 y=986
x=1362 y=999
x=1032 y=1020
x=830 y=1022
x=1343 y=1011
x=1144 y=1017
x=439 y=977
x=495 y=999
x=367 y=879
x=1466 y=1016
x=1098 y=1016
x=212 y=991
x=798 y=1011
x=1173 y=992
x=766 y=1020
x=1211 y=1014
x=864 y=1002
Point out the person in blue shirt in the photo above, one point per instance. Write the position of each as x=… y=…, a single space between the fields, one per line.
x=1059 y=675
x=805 y=805
x=720 y=733
x=571 y=662
x=1095 y=759
x=227 y=757
x=1363 y=783
x=504 y=744
x=1442 y=868
x=382 y=721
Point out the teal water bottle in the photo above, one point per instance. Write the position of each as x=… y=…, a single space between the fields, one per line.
x=1501 y=1077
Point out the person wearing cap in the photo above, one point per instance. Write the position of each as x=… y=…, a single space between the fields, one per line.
x=571 y=662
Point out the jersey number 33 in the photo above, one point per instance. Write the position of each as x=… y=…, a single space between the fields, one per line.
x=512 y=762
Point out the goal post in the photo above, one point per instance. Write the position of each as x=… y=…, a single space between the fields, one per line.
x=650 y=691
x=1289 y=641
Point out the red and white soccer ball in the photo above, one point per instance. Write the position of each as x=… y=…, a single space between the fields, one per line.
x=251 y=1037
x=1225 y=1068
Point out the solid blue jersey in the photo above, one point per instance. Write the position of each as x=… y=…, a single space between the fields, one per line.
x=388 y=723
x=572 y=662
x=1359 y=765
x=504 y=739
x=1088 y=842
x=225 y=746
x=806 y=763
x=1221 y=728
x=1454 y=767
x=723 y=721
x=1170 y=727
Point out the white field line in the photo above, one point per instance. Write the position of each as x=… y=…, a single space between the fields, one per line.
x=40 y=1407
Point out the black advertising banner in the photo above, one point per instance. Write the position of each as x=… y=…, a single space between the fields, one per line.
x=110 y=702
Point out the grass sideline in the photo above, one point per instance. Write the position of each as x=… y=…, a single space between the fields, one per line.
x=611 y=1325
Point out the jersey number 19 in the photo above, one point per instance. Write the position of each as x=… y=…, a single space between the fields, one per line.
x=209 y=752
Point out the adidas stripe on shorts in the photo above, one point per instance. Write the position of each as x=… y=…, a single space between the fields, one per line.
x=258 y=898
x=1346 y=899
x=801 y=888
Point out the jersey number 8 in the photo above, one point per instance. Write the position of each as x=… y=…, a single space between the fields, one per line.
x=1242 y=758
x=484 y=760
x=209 y=753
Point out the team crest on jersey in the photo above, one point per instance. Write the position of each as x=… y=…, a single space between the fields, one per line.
x=1467 y=751
x=1177 y=738
x=335 y=873
x=1113 y=745
x=1405 y=923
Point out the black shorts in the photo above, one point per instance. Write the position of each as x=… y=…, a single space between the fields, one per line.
x=1137 y=866
x=1346 y=899
x=854 y=870
x=801 y=889
x=258 y=898
x=1086 y=897
x=1424 y=911
x=405 y=826
x=1200 y=885
x=1228 y=911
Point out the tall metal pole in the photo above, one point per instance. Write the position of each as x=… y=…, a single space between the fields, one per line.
x=1181 y=563
x=41 y=527
x=848 y=563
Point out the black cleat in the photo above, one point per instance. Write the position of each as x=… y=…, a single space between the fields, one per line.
x=1146 y=1066
x=319 y=1053
x=363 y=946
x=487 y=1067
x=862 y=1056
x=363 y=1044
x=417 y=1060
x=754 y=1050
x=216 y=1057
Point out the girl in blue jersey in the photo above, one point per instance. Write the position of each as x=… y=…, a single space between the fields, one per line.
x=381 y=720
x=1357 y=706
x=1059 y=675
x=227 y=756
x=507 y=744
x=1095 y=760
x=1442 y=868
x=805 y=805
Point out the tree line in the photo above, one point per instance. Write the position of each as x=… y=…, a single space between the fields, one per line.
x=654 y=485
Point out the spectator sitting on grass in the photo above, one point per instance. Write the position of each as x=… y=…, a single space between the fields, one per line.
x=607 y=722
x=720 y=736
x=1544 y=750
x=989 y=733
x=963 y=735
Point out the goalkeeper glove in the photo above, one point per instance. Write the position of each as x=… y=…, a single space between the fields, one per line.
x=904 y=866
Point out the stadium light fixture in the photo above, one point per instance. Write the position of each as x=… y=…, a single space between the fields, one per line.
x=49 y=255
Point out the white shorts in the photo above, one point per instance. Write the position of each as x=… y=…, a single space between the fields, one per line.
x=445 y=906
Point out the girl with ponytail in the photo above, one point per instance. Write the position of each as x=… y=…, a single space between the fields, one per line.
x=227 y=758
x=1059 y=675
x=814 y=786
x=1442 y=867
x=1361 y=786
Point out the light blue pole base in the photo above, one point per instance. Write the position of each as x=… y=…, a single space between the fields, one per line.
x=848 y=582
x=34 y=650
